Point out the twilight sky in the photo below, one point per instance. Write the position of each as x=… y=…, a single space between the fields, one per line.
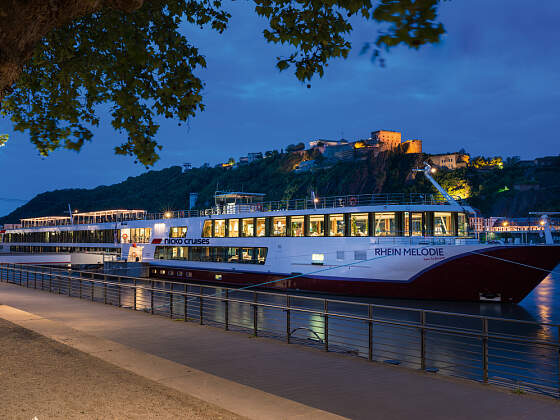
x=492 y=87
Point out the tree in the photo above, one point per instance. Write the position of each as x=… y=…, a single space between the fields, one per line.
x=60 y=59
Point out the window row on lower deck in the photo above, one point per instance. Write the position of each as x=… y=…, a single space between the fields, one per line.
x=343 y=224
x=62 y=249
x=212 y=254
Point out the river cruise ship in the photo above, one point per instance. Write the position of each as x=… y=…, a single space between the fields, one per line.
x=377 y=245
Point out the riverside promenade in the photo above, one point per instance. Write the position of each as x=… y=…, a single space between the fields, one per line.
x=257 y=377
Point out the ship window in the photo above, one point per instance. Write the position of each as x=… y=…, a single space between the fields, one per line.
x=261 y=226
x=261 y=255
x=219 y=228
x=232 y=254
x=336 y=225
x=406 y=224
x=296 y=225
x=278 y=226
x=247 y=255
x=360 y=255
x=220 y=254
x=233 y=231
x=248 y=227
x=385 y=224
x=442 y=224
x=207 y=229
x=416 y=224
x=177 y=232
x=359 y=224
x=462 y=224
x=217 y=276
x=339 y=255
x=195 y=253
x=317 y=225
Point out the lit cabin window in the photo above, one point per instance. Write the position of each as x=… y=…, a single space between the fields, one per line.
x=278 y=226
x=247 y=255
x=233 y=228
x=219 y=228
x=248 y=227
x=385 y=224
x=336 y=225
x=261 y=226
x=462 y=227
x=207 y=229
x=416 y=224
x=296 y=226
x=359 y=224
x=317 y=225
x=442 y=224
x=406 y=224
x=177 y=232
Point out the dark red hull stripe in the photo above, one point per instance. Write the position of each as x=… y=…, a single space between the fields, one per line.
x=464 y=277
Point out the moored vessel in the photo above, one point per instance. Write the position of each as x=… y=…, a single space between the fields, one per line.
x=378 y=245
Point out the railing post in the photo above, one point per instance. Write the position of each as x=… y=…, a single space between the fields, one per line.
x=27 y=278
x=370 y=333
x=255 y=312
x=226 y=310
x=105 y=290
x=558 y=352
x=485 y=349
x=92 y=289
x=119 y=294
x=423 y=340
x=171 y=302
x=326 y=324
x=185 y=300
x=152 y=297
x=135 y=292
x=69 y=287
x=34 y=279
x=288 y=327
x=201 y=305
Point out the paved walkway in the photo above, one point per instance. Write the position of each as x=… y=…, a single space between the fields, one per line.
x=236 y=367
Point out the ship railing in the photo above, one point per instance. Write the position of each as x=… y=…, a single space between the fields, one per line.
x=356 y=200
x=522 y=355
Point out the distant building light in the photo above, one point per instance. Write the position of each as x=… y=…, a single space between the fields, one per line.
x=167 y=215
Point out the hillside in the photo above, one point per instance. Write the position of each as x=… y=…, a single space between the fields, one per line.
x=389 y=172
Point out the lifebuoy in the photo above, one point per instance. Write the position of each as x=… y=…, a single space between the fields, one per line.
x=352 y=201
x=124 y=236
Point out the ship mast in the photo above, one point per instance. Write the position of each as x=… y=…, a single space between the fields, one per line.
x=428 y=170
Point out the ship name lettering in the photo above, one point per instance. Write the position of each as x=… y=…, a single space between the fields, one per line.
x=186 y=241
x=414 y=252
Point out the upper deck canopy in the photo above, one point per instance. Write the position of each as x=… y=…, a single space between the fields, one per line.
x=103 y=216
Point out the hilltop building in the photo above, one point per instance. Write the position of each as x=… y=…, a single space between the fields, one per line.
x=386 y=140
x=450 y=160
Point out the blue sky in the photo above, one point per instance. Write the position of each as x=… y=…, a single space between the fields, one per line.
x=492 y=87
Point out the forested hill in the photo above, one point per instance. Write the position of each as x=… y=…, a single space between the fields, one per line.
x=168 y=189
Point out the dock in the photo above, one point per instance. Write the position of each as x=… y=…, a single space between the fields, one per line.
x=257 y=377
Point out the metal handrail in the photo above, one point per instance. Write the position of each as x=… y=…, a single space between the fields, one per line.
x=409 y=340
